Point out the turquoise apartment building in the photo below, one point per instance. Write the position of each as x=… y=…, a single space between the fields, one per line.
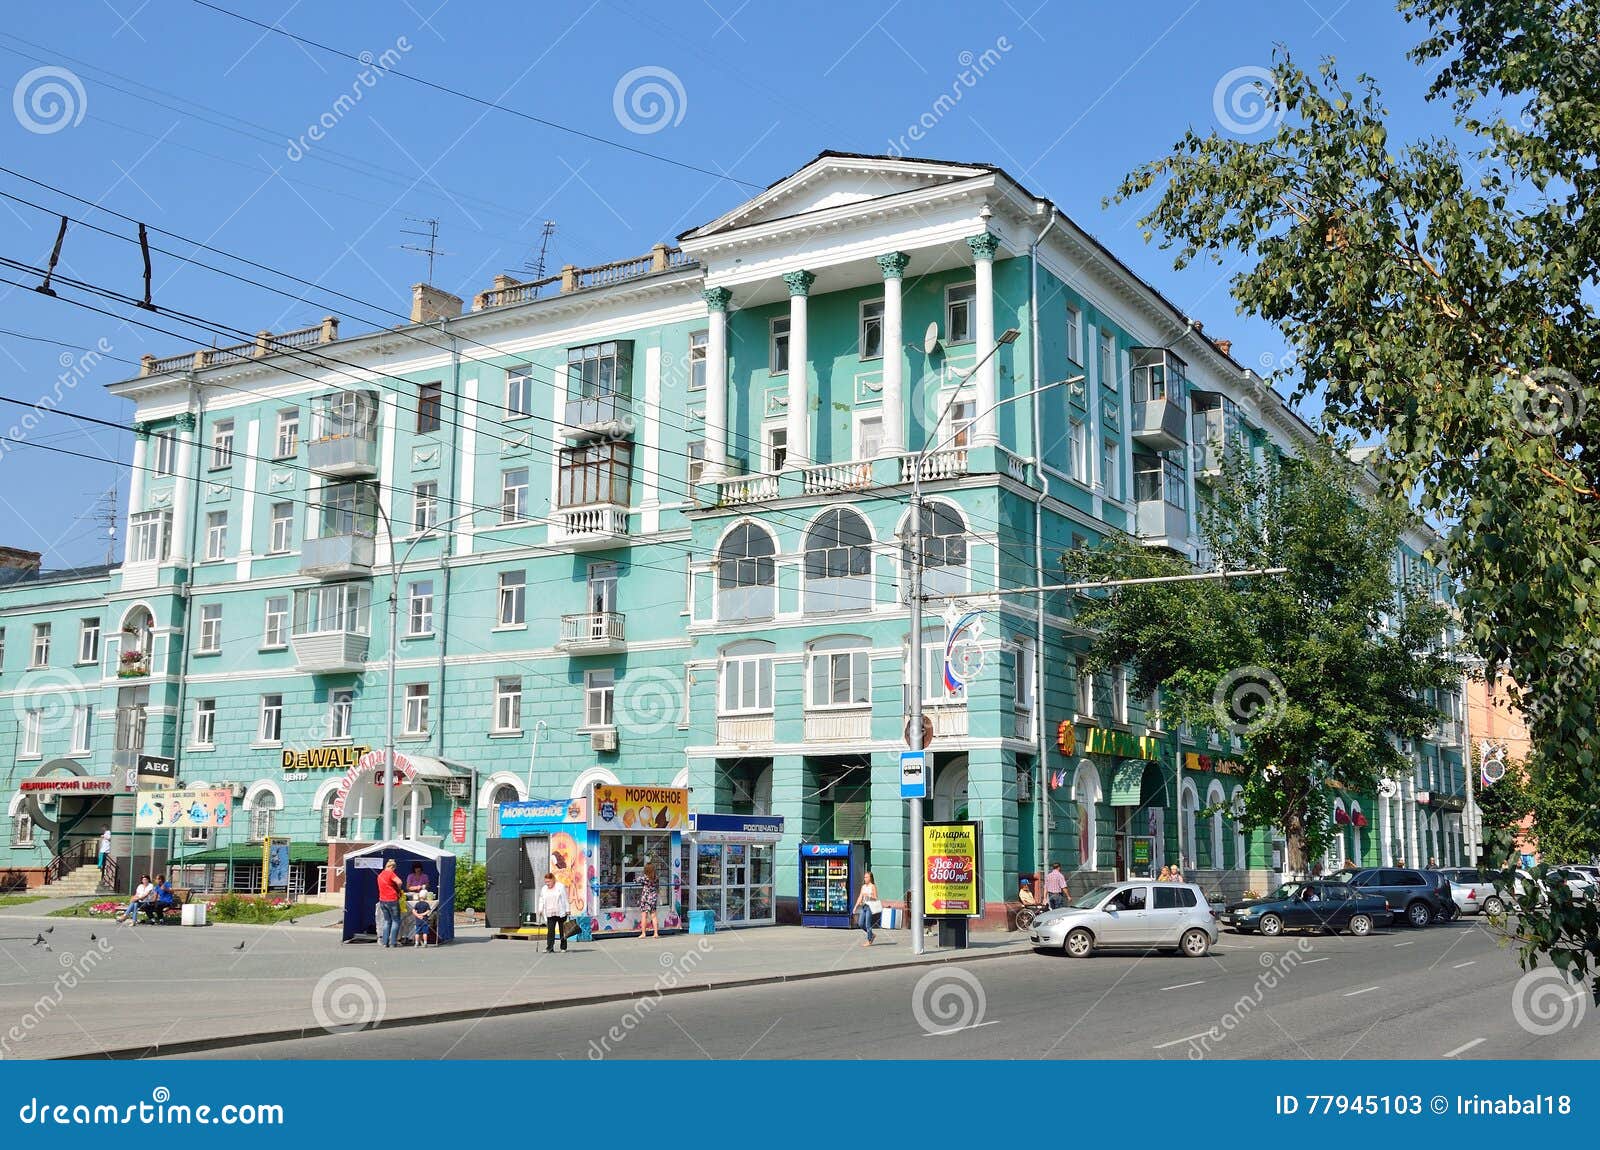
x=641 y=523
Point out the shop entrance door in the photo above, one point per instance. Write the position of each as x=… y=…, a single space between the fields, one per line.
x=1123 y=841
x=535 y=865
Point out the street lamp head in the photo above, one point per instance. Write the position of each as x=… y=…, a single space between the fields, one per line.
x=1010 y=335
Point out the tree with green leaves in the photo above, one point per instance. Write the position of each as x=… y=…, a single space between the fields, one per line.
x=1439 y=296
x=1320 y=671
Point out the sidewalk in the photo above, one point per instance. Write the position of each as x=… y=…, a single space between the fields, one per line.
x=171 y=989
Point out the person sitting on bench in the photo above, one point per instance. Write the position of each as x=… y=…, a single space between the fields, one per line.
x=161 y=900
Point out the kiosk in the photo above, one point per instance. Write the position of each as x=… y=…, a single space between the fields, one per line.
x=728 y=861
x=830 y=875
x=361 y=869
x=597 y=847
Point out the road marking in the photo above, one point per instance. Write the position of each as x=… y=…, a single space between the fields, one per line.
x=1309 y=961
x=959 y=1029
x=1365 y=990
x=1463 y=1049
x=1405 y=943
x=1181 y=985
x=1458 y=966
x=1181 y=1041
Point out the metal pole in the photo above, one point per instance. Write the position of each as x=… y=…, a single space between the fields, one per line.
x=914 y=583
x=533 y=752
x=388 y=741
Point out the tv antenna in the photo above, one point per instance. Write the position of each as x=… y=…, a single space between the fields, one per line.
x=431 y=249
x=535 y=267
x=105 y=515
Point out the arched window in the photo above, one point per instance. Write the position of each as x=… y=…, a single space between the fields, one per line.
x=1217 y=803
x=502 y=793
x=21 y=822
x=263 y=804
x=1241 y=841
x=838 y=563
x=746 y=574
x=839 y=672
x=951 y=793
x=744 y=676
x=1086 y=794
x=944 y=550
x=335 y=829
x=1188 y=809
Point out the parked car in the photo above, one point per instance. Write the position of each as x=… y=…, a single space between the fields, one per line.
x=1319 y=905
x=1581 y=880
x=1449 y=909
x=1475 y=890
x=1138 y=915
x=1414 y=896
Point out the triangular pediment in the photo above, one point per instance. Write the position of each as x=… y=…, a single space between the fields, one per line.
x=836 y=180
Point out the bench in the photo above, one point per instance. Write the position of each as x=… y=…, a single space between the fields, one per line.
x=156 y=913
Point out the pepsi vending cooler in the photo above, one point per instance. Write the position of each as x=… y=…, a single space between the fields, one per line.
x=830 y=875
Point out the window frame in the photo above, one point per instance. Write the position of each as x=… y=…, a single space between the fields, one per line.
x=280 y=536
x=166 y=453
x=512 y=594
x=430 y=406
x=507 y=696
x=222 y=438
x=39 y=656
x=519 y=384
x=958 y=295
x=416 y=709
x=270 y=734
x=89 y=636
x=1111 y=468
x=288 y=421
x=216 y=535
x=424 y=506
x=341 y=706
x=419 y=609
x=514 y=496
x=208 y=641
x=598 y=473
x=32 y=742
x=778 y=335
x=1078 y=451
x=1074 y=334
x=600 y=687
x=751 y=667
x=824 y=658
x=203 y=725
x=283 y=618
x=82 y=730
x=1106 y=350
x=864 y=322
x=139 y=536
x=699 y=344
x=774 y=454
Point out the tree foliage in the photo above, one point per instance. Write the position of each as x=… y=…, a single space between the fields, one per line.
x=1438 y=293
x=1319 y=671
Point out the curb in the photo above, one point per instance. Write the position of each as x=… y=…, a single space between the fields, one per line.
x=224 y=1042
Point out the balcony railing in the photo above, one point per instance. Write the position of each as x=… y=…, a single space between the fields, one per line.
x=263 y=345
x=949 y=720
x=738 y=489
x=600 y=415
x=950 y=463
x=337 y=556
x=827 y=478
x=838 y=726
x=593 y=632
x=583 y=527
x=745 y=731
x=347 y=456
x=329 y=651
x=508 y=291
x=1158 y=424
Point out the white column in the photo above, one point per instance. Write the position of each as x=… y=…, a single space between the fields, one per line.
x=183 y=487
x=894 y=402
x=468 y=495
x=247 y=511
x=1409 y=806
x=717 y=300
x=1386 y=834
x=799 y=414
x=650 y=432
x=983 y=249
x=141 y=443
x=389 y=412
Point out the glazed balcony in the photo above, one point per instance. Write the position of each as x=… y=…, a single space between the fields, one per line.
x=1157 y=519
x=338 y=556
x=1159 y=392
x=593 y=633
x=599 y=415
x=332 y=627
x=344 y=435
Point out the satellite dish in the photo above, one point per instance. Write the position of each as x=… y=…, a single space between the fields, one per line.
x=930 y=339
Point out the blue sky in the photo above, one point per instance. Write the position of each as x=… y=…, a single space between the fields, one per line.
x=196 y=122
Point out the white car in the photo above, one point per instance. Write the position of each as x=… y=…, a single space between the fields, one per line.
x=1139 y=915
x=1475 y=891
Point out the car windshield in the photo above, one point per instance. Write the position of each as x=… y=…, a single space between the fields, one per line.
x=1093 y=898
x=1287 y=891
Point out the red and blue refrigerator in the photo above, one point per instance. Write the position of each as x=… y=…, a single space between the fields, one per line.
x=830 y=875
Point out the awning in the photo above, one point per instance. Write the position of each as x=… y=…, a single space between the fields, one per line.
x=1127 y=783
x=251 y=853
x=430 y=768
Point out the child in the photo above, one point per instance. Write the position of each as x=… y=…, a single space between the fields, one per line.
x=419 y=911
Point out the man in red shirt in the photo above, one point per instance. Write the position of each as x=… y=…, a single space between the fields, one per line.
x=389 y=888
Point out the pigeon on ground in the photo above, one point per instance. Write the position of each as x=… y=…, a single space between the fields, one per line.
x=49 y=930
x=91 y=936
x=291 y=921
x=38 y=940
x=239 y=947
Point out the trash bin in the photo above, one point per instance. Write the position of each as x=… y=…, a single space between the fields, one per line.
x=194 y=914
x=953 y=933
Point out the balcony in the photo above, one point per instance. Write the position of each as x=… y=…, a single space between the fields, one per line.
x=949 y=720
x=346 y=456
x=1161 y=520
x=951 y=463
x=1158 y=424
x=745 y=731
x=1218 y=434
x=330 y=652
x=736 y=490
x=828 y=478
x=337 y=556
x=593 y=633
x=1160 y=398
x=586 y=528
x=853 y=726
x=599 y=415
x=1446 y=733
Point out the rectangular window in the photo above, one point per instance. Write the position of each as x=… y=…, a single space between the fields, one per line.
x=598 y=472
x=603 y=588
x=82 y=729
x=840 y=679
x=216 y=534
x=203 y=733
x=514 y=495
x=419 y=609
x=2 y=648
x=89 y=640
x=1108 y=361
x=1158 y=477
x=1022 y=688
x=41 y=645
x=270 y=729
x=210 y=629
x=598 y=370
x=778 y=346
x=430 y=406
x=777 y=445
x=871 y=344
x=599 y=693
x=507 y=705
x=221 y=444
x=275 y=630
x=282 y=528
x=959 y=301
x=933 y=685
x=341 y=705
x=519 y=393
x=1111 y=468
x=698 y=342
x=746 y=685
x=165 y=445
x=150 y=537
x=869 y=437
x=32 y=730
x=963 y=413
x=1084 y=684
x=333 y=608
x=1119 y=694
x=695 y=450
x=513 y=598
x=424 y=506
x=288 y=438
x=1078 y=441
x=1074 y=334
x=416 y=718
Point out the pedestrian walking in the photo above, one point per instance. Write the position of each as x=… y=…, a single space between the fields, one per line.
x=553 y=908
x=389 y=888
x=649 y=896
x=868 y=905
x=105 y=849
x=1055 y=887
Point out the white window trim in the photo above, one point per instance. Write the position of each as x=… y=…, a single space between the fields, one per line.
x=261 y=722
x=972 y=319
x=412 y=695
x=724 y=663
x=1074 y=334
x=768 y=466
x=412 y=599
x=84 y=631
x=194 y=726
x=202 y=646
x=494 y=716
x=862 y=650
x=861 y=331
x=526 y=411
x=772 y=345
x=589 y=688
x=285 y=628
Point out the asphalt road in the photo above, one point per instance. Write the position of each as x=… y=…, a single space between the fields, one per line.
x=1447 y=991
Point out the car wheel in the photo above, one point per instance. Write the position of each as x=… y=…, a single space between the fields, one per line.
x=1271 y=925
x=1079 y=943
x=1360 y=925
x=1195 y=943
x=1419 y=913
x=1493 y=906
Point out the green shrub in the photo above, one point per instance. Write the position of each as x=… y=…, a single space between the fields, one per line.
x=472 y=887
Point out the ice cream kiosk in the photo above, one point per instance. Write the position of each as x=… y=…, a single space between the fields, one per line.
x=597 y=847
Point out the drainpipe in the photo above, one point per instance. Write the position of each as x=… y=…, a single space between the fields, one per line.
x=1039 y=725
x=447 y=544
x=186 y=597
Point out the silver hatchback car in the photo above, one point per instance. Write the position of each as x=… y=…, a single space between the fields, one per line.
x=1142 y=914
